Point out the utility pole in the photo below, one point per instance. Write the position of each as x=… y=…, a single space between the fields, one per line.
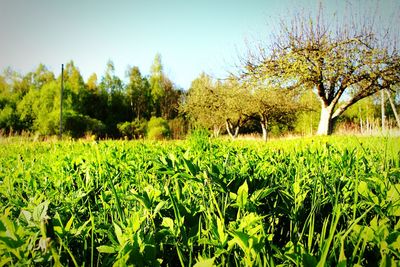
x=61 y=98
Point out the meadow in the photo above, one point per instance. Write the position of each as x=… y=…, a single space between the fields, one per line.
x=331 y=201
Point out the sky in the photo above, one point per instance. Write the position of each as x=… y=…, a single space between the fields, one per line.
x=191 y=36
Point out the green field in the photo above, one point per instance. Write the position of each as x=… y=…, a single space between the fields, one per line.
x=313 y=202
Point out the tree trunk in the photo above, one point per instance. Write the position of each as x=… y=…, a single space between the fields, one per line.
x=393 y=108
x=326 y=122
x=264 y=127
x=232 y=130
x=216 y=129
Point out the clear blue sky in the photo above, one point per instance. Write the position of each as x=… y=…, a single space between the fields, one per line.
x=191 y=36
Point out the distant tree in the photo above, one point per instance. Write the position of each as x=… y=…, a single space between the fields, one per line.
x=3 y=84
x=14 y=87
x=235 y=105
x=42 y=76
x=335 y=60
x=45 y=105
x=75 y=91
x=8 y=116
x=138 y=93
x=169 y=102
x=156 y=83
x=117 y=105
x=96 y=99
x=203 y=104
x=271 y=104
x=92 y=83
x=133 y=130
x=110 y=82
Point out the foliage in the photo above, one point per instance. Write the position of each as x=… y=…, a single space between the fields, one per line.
x=202 y=104
x=30 y=103
x=307 y=119
x=133 y=130
x=199 y=139
x=336 y=60
x=79 y=125
x=158 y=129
x=178 y=127
x=309 y=202
x=138 y=93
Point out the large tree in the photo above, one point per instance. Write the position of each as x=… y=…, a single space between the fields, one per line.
x=342 y=63
x=272 y=104
x=156 y=84
x=117 y=106
x=202 y=104
x=236 y=104
x=138 y=93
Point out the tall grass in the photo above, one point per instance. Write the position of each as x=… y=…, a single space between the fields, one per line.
x=304 y=202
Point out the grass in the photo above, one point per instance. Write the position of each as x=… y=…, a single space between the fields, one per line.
x=306 y=202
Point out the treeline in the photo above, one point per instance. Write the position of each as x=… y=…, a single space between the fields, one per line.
x=105 y=107
x=154 y=107
x=235 y=106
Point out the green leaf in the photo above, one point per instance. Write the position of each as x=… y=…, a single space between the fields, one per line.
x=242 y=195
x=69 y=223
x=118 y=233
x=204 y=262
x=393 y=194
x=363 y=189
x=309 y=260
x=221 y=231
x=296 y=187
x=168 y=223
x=190 y=167
x=5 y=261
x=159 y=207
x=106 y=249
x=40 y=212
x=241 y=239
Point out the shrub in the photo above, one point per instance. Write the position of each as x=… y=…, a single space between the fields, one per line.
x=158 y=129
x=133 y=130
x=77 y=125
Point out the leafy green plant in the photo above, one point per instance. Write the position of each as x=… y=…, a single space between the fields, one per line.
x=158 y=129
x=313 y=202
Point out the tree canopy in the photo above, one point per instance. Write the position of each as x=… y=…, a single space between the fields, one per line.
x=337 y=61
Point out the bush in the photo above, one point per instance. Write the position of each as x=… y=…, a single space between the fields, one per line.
x=78 y=125
x=133 y=130
x=158 y=129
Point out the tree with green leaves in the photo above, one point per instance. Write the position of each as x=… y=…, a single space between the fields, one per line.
x=272 y=104
x=202 y=104
x=156 y=83
x=117 y=105
x=110 y=82
x=169 y=102
x=138 y=93
x=13 y=88
x=343 y=63
x=236 y=105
